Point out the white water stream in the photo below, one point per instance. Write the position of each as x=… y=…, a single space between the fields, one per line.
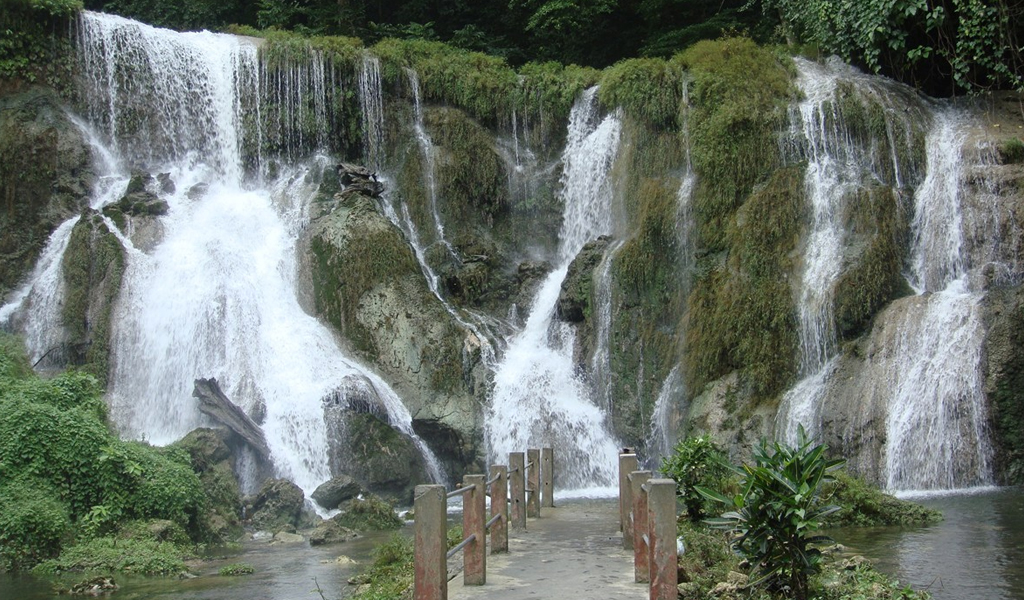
x=538 y=399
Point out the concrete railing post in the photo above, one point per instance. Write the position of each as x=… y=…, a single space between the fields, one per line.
x=627 y=464
x=474 y=522
x=517 y=489
x=499 y=506
x=533 y=483
x=661 y=511
x=431 y=562
x=641 y=552
x=547 y=476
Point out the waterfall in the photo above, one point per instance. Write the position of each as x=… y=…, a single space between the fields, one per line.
x=839 y=163
x=216 y=296
x=937 y=423
x=371 y=101
x=538 y=400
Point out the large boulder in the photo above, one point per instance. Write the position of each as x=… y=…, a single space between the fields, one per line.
x=279 y=506
x=212 y=458
x=335 y=491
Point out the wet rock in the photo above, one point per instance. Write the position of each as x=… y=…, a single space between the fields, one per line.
x=331 y=532
x=339 y=489
x=278 y=505
x=854 y=562
x=575 y=302
x=212 y=455
x=96 y=586
x=166 y=183
x=284 y=537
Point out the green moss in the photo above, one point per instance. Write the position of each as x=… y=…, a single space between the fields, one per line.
x=93 y=267
x=647 y=89
x=344 y=272
x=548 y=90
x=482 y=85
x=738 y=98
x=864 y=505
x=392 y=572
x=741 y=314
x=1011 y=151
x=875 y=278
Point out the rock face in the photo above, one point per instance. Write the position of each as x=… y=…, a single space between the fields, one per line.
x=45 y=177
x=367 y=284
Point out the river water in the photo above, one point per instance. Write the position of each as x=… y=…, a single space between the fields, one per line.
x=976 y=552
x=282 y=572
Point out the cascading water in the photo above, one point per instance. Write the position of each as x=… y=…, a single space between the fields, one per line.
x=936 y=427
x=537 y=398
x=838 y=165
x=216 y=296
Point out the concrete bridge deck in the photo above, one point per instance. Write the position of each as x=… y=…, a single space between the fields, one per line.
x=572 y=551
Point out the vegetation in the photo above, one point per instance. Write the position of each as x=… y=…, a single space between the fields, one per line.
x=236 y=569
x=864 y=505
x=391 y=574
x=368 y=514
x=696 y=461
x=69 y=486
x=778 y=512
x=32 y=45
x=938 y=46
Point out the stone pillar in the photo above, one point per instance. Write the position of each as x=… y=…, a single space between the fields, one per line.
x=430 y=558
x=533 y=483
x=474 y=522
x=517 y=489
x=641 y=551
x=547 y=477
x=499 y=506
x=627 y=464
x=661 y=511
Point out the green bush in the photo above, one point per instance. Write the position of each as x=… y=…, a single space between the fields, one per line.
x=776 y=515
x=648 y=89
x=33 y=523
x=108 y=554
x=695 y=461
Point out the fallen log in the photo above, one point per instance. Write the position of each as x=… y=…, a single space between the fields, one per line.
x=217 y=406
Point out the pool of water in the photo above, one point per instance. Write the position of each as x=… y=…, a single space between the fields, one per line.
x=977 y=551
x=282 y=572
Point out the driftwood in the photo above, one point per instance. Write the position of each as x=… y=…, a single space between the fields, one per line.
x=213 y=403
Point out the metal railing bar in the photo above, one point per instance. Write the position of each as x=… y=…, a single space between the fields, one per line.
x=493 y=480
x=459 y=491
x=461 y=545
x=493 y=520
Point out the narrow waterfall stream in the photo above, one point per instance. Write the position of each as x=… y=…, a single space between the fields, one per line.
x=538 y=399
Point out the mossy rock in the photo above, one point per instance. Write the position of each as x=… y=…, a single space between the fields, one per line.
x=93 y=267
x=575 y=301
x=380 y=458
x=45 y=177
x=277 y=507
x=367 y=514
x=212 y=458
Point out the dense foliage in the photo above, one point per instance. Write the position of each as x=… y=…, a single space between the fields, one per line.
x=935 y=44
x=32 y=44
x=695 y=461
x=65 y=477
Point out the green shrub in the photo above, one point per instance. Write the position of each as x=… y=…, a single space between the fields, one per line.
x=107 y=554
x=778 y=512
x=33 y=523
x=236 y=569
x=391 y=573
x=1011 y=151
x=695 y=461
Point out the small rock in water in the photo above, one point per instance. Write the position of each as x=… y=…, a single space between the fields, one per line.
x=97 y=586
x=283 y=537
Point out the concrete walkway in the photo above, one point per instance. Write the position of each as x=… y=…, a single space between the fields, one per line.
x=573 y=551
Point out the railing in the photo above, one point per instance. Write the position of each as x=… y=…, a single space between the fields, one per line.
x=647 y=512
x=518 y=486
